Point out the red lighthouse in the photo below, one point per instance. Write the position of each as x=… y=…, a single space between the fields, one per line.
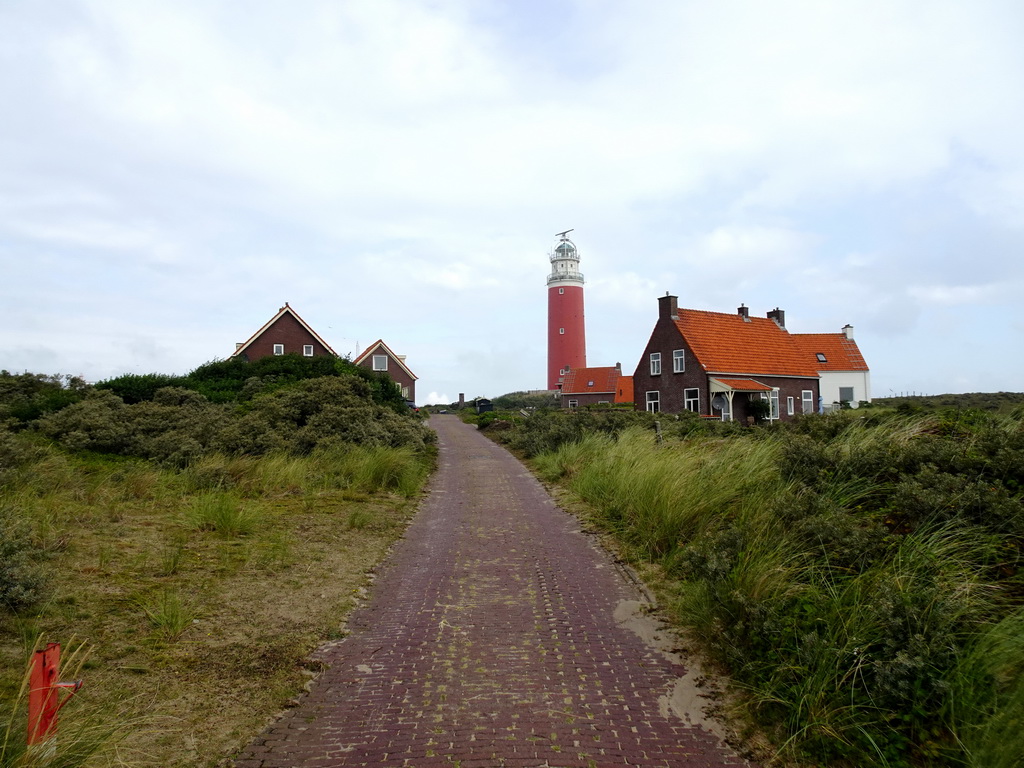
x=567 y=340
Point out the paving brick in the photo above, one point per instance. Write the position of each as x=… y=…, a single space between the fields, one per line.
x=489 y=640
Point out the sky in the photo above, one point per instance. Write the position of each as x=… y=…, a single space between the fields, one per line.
x=171 y=173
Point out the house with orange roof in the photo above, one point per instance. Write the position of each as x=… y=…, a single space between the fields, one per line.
x=284 y=334
x=595 y=386
x=716 y=364
x=844 y=375
x=379 y=357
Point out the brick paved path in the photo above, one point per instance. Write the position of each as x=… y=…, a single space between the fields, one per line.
x=489 y=641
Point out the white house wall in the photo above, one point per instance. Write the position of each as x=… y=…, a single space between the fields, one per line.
x=831 y=381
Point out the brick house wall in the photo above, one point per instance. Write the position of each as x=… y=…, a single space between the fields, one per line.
x=588 y=398
x=286 y=330
x=396 y=369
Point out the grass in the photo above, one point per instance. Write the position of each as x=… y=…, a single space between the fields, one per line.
x=201 y=592
x=83 y=736
x=858 y=575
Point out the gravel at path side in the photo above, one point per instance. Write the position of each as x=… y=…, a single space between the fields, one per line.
x=489 y=640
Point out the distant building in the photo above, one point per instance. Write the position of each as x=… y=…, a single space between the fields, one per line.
x=716 y=364
x=596 y=386
x=844 y=376
x=284 y=334
x=379 y=357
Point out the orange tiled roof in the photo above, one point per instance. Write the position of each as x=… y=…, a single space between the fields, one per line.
x=743 y=385
x=624 y=394
x=726 y=343
x=841 y=353
x=582 y=381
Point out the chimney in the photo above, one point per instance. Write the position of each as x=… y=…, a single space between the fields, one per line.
x=618 y=367
x=238 y=345
x=779 y=317
x=848 y=331
x=668 y=307
x=743 y=312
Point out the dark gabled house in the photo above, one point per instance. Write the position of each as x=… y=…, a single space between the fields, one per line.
x=715 y=364
x=379 y=357
x=284 y=334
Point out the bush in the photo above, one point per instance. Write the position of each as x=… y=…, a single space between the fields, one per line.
x=27 y=396
x=22 y=579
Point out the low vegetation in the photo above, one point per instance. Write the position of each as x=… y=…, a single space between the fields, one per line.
x=858 y=574
x=189 y=553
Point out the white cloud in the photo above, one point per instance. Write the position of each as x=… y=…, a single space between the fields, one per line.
x=398 y=168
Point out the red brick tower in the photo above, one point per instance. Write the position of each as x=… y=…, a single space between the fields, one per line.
x=567 y=340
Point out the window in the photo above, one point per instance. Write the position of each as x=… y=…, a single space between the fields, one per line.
x=846 y=394
x=790 y=406
x=405 y=392
x=655 y=364
x=574 y=403
x=279 y=349
x=590 y=383
x=691 y=400
x=773 y=401
x=678 y=361
x=821 y=357
x=653 y=402
x=807 y=401
x=561 y=291
x=380 y=362
x=561 y=330
x=307 y=350
x=561 y=371
x=602 y=402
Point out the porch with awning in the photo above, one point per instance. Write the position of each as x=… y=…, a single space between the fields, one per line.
x=722 y=391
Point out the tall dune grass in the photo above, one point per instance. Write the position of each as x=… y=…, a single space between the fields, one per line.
x=857 y=575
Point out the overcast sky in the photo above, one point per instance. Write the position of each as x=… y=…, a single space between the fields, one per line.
x=173 y=171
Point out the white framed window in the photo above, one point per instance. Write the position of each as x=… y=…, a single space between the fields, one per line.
x=405 y=392
x=846 y=394
x=574 y=403
x=691 y=399
x=678 y=361
x=807 y=401
x=380 y=362
x=654 y=401
x=307 y=350
x=790 y=406
x=602 y=402
x=655 y=363
x=773 y=401
x=561 y=291
x=561 y=371
x=561 y=330
x=279 y=349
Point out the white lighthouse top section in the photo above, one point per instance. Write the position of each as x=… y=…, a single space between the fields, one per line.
x=565 y=264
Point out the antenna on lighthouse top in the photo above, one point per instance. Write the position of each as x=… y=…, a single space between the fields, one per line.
x=563 y=234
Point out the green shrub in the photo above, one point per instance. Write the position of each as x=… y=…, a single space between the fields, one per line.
x=850 y=570
x=22 y=578
x=137 y=388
